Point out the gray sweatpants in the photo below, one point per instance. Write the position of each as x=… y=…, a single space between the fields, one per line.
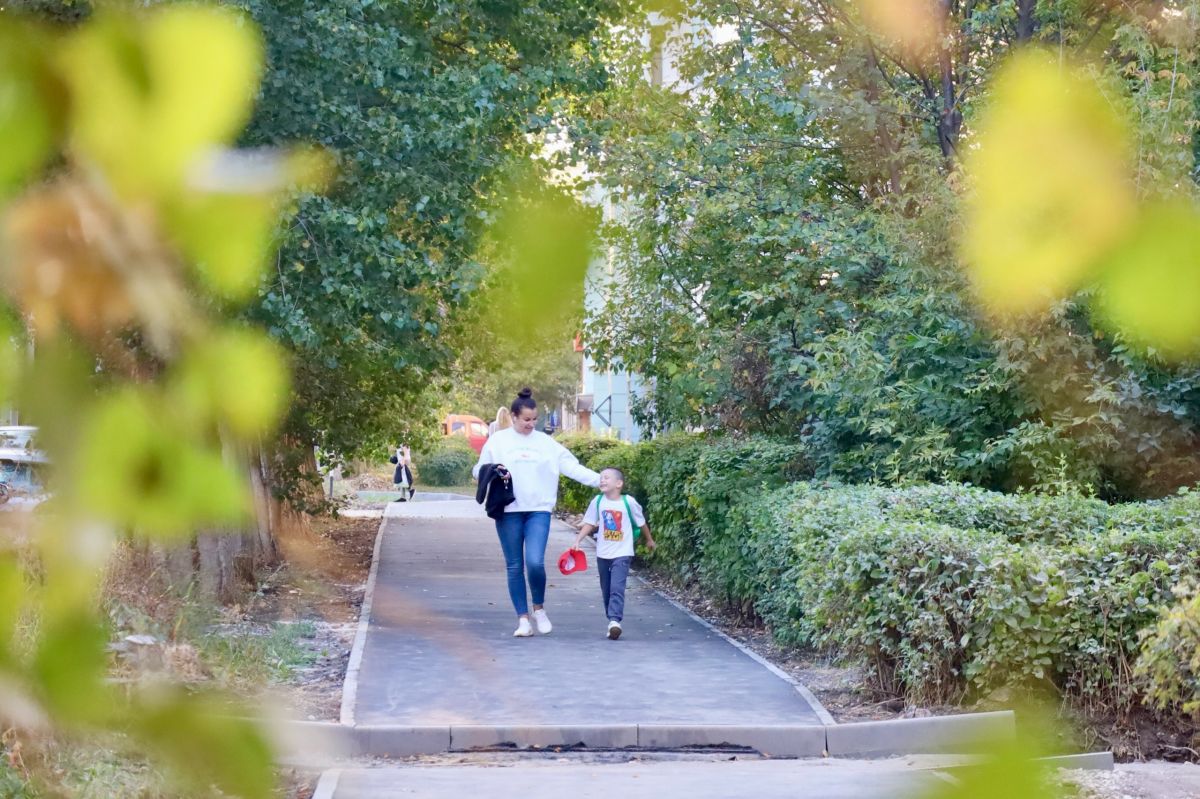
x=614 y=572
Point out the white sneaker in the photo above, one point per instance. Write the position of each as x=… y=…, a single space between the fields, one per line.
x=614 y=630
x=543 y=622
x=523 y=629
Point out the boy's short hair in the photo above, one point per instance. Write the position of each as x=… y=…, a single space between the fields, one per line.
x=620 y=473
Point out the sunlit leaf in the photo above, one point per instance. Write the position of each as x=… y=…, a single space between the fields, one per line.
x=135 y=467
x=70 y=665
x=227 y=237
x=1052 y=188
x=154 y=92
x=1150 y=286
x=25 y=122
x=204 y=740
x=545 y=240
x=12 y=601
x=238 y=378
x=915 y=25
x=1005 y=771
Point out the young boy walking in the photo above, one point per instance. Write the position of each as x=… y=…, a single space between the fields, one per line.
x=616 y=518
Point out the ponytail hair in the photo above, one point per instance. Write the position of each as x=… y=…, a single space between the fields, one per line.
x=524 y=400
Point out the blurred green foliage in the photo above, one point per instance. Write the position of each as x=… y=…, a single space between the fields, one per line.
x=115 y=253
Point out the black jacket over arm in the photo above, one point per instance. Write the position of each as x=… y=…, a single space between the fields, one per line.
x=495 y=489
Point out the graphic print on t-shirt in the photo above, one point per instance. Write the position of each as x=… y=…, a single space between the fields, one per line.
x=612 y=525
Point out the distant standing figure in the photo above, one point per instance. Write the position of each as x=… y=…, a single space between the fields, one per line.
x=535 y=461
x=402 y=480
x=503 y=421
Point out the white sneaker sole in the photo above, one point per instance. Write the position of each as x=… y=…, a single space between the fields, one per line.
x=614 y=633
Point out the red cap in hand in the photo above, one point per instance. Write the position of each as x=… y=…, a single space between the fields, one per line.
x=573 y=560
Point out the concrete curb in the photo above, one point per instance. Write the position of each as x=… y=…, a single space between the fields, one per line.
x=327 y=784
x=962 y=734
x=778 y=741
x=350 y=685
x=1089 y=761
x=597 y=736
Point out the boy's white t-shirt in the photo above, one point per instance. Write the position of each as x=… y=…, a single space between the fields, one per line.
x=614 y=538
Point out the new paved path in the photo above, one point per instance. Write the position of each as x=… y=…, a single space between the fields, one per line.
x=439 y=647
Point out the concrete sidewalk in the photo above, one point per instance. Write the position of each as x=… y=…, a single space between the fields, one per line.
x=439 y=650
x=781 y=779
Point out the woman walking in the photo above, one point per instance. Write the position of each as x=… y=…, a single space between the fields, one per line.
x=503 y=421
x=535 y=461
x=402 y=480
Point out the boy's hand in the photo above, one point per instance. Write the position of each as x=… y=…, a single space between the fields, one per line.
x=651 y=544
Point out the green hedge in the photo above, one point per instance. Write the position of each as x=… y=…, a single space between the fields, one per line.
x=936 y=611
x=448 y=463
x=940 y=591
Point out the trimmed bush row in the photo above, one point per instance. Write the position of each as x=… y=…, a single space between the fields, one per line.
x=448 y=463
x=942 y=591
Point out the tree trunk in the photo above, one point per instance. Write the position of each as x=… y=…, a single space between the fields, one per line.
x=886 y=144
x=1025 y=20
x=179 y=565
x=265 y=550
x=950 y=120
x=226 y=565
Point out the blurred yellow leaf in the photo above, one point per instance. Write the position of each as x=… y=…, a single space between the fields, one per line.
x=915 y=25
x=12 y=601
x=204 y=740
x=25 y=126
x=227 y=237
x=151 y=93
x=70 y=666
x=1150 y=284
x=1007 y=771
x=545 y=241
x=1052 y=187
x=237 y=377
x=136 y=467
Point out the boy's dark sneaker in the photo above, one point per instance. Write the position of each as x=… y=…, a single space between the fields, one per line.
x=614 y=630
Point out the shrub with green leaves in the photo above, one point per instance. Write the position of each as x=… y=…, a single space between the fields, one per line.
x=449 y=463
x=948 y=591
x=1169 y=668
x=588 y=448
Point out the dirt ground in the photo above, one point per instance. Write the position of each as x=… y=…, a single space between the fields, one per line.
x=322 y=582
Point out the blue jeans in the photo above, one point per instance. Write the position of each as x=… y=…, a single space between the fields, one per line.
x=523 y=536
x=613 y=574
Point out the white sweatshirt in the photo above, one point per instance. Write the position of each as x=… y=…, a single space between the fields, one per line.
x=535 y=461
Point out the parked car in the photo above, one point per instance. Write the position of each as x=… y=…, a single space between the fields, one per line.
x=22 y=465
x=472 y=427
x=17 y=437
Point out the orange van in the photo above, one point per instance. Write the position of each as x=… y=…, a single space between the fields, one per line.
x=474 y=428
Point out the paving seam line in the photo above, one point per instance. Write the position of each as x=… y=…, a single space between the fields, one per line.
x=824 y=715
x=350 y=685
x=327 y=784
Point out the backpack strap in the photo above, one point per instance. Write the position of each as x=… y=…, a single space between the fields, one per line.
x=637 y=530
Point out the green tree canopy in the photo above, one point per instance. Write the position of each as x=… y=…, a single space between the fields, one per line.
x=787 y=242
x=427 y=106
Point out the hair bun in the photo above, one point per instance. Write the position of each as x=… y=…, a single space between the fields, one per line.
x=525 y=393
